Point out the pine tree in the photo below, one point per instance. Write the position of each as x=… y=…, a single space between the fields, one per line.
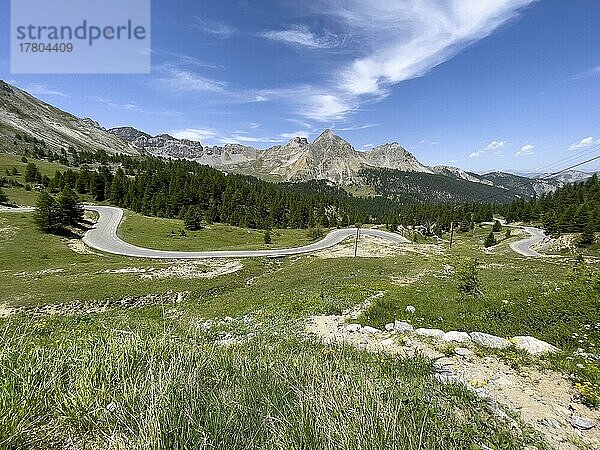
x=497 y=227
x=48 y=216
x=588 y=236
x=3 y=197
x=193 y=218
x=490 y=240
x=32 y=174
x=267 y=237
x=70 y=207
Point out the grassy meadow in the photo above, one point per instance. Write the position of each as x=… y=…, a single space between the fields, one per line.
x=155 y=376
x=170 y=234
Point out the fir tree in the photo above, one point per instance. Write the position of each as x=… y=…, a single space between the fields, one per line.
x=71 y=209
x=48 y=216
x=490 y=240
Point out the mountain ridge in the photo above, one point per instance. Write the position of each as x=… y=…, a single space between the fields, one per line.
x=328 y=157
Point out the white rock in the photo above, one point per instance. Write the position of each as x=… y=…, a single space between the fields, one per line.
x=403 y=327
x=429 y=332
x=489 y=340
x=461 y=351
x=456 y=336
x=353 y=327
x=389 y=326
x=582 y=423
x=369 y=330
x=533 y=346
x=410 y=309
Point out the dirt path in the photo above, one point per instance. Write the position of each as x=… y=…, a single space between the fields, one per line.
x=545 y=399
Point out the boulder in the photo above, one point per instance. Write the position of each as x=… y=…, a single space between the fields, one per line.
x=456 y=336
x=582 y=423
x=430 y=332
x=389 y=327
x=353 y=327
x=533 y=346
x=410 y=309
x=403 y=327
x=369 y=330
x=489 y=340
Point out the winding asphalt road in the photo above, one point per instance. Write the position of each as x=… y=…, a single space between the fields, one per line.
x=104 y=237
x=523 y=246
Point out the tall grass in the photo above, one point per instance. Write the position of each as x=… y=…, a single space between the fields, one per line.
x=153 y=390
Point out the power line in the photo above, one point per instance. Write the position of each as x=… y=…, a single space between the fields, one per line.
x=529 y=182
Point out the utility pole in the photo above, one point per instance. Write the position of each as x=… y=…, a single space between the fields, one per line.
x=451 y=233
x=356 y=242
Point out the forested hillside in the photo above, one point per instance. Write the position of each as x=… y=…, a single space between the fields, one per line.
x=569 y=209
x=417 y=187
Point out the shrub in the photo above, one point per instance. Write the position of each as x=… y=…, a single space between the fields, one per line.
x=267 y=237
x=469 y=284
x=497 y=227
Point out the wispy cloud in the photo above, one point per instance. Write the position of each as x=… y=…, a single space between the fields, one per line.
x=177 y=79
x=209 y=136
x=586 y=142
x=213 y=27
x=300 y=35
x=357 y=127
x=135 y=107
x=41 y=89
x=526 y=150
x=494 y=146
x=402 y=40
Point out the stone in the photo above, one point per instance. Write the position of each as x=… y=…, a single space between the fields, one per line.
x=410 y=309
x=533 y=346
x=430 y=332
x=403 y=327
x=369 y=330
x=464 y=352
x=489 y=340
x=582 y=423
x=389 y=327
x=456 y=336
x=549 y=422
x=353 y=327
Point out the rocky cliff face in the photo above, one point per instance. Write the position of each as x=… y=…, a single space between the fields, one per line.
x=394 y=156
x=24 y=115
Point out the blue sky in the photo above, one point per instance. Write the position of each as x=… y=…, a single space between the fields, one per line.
x=480 y=84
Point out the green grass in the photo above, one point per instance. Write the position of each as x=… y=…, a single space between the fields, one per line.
x=21 y=196
x=8 y=161
x=148 y=383
x=163 y=372
x=166 y=234
x=25 y=253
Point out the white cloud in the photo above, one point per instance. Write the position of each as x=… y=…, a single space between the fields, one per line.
x=181 y=80
x=215 y=28
x=41 y=89
x=358 y=127
x=494 y=146
x=403 y=39
x=585 y=143
x=526 y=150
x=194 y=134
x=299 y=133
x=301 y=35
x=208 y=136
x=325 y=108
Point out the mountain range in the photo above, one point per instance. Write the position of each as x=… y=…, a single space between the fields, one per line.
x=328 y=157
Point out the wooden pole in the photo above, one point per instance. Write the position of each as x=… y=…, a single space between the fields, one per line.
x=451 y=233
x=356 y=243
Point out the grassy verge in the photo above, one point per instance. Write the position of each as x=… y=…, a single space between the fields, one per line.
x=170 y=234
x=153 y=386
